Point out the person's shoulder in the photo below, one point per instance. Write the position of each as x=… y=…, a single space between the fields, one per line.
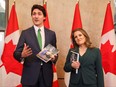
x=28 y=29
x=95 y=49
x=49 y=30
x=73 y=49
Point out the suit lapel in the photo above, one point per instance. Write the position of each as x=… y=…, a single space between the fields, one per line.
x=86 y=58
x=34 y=39
x=46 y=37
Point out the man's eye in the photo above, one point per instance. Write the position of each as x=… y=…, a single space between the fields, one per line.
x=39 y=14
x=34 y=14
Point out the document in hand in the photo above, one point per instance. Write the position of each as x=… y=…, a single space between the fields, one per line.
x=47 y=53
x=74 y=57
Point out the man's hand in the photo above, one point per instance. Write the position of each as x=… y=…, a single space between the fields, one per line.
x=26 y=51
x=53 y=57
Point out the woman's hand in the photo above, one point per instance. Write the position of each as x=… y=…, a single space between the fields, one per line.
x=75 y=64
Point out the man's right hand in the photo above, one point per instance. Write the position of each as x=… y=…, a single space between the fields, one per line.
x=26 y=51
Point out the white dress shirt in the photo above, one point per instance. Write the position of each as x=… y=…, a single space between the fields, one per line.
x=42 y=34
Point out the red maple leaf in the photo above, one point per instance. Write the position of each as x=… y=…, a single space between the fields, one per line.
x=11 y=65
x=108 y=58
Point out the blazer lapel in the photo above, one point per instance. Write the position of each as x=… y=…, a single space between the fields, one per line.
x=86 y=58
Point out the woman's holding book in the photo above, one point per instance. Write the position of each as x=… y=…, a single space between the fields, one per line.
x=84 y=62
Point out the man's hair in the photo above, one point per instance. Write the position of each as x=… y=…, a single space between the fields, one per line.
x=41 y=8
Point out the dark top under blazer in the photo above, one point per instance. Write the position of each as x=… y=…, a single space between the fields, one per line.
x=32 y=64
x=90 y=69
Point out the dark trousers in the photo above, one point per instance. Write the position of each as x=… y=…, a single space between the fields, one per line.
x=40 y=82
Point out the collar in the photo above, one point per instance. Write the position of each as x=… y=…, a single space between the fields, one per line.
x=41 y=28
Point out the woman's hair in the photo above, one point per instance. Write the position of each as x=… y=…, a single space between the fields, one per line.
x=87 y=38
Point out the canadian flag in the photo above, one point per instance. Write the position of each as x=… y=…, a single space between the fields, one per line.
x=76 y=24
x=55 y=79
x=46 y=22
x=108 y=49
x=10 y=69
x=76 y=20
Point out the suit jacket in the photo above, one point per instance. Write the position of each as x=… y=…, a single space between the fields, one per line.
x=32 y=64
x=90 y=69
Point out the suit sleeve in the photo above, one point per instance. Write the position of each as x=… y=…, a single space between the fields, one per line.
x=100 y=78
x=54 y=44
x=19 y=48
x=54 y=40
x=67 y=66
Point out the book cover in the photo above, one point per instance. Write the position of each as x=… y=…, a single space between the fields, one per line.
x=47 y=53
x=74 y=57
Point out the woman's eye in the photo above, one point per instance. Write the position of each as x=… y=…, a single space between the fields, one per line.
x=80 y=34
x=75 y=37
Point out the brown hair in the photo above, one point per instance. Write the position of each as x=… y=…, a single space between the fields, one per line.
x=88 y=43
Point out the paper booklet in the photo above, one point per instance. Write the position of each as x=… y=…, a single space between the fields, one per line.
x=74 y=57
x=47 y=52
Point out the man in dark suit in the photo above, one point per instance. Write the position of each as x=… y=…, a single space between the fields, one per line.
x=36 y=73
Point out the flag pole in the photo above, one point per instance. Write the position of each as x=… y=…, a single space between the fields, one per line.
x=109 y=1
x=44 y=2
x=14 y=2
x=78 y=1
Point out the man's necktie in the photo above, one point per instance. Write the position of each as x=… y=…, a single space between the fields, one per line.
x=39 y=38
